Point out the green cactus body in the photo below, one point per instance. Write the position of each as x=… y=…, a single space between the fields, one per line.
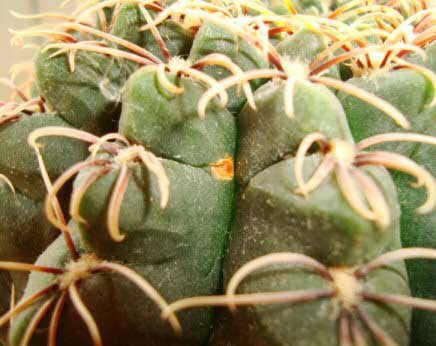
x=160 y=228
x=304 y=46
x=279 y=9
x=419 y=231
x=213 y=38
x=24 y=235
x=271 y=213
x=270 y=218
x=407 y=90
x=430 y=62
x=194 y=230
x=115 y=303
x=178 y=249
x=89 y=97
x=169 y=125
x=306 y=323
x=129 y=19
x=314 y=7
x=268 y=134
x=56 y=255
x=24 y=231
x=410 y=92
x=20 y=216
x=108 y=12
x=5 y=300
x=17 y=158
x=5 y=295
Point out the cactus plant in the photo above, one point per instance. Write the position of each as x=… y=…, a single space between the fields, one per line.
x=254 y=156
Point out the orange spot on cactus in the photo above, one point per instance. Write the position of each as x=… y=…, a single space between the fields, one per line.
x=224 y=169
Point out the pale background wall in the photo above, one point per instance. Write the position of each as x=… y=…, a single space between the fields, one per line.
x=11 y=55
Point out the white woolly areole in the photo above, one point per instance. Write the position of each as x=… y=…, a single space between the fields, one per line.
x=343 y=151
x=78 y=270
x=347 y=287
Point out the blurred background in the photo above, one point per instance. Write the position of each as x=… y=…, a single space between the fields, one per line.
x=10 y=55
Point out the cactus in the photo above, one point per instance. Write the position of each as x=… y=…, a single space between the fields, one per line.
x=221 y=173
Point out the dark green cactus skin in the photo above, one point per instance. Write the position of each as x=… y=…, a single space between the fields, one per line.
x=169 y=125
x=213 y=38
x=145 y=223
x=24 y=235
x=313 y=7
x=5 y=300
x=116 y=305
x=56 y=255
x=430 y=62
x=268 y=134
x=407 y=90
x=179 y=258
x=18 y=160
x=420 y=231
x=5 y=293
x=309 y=323
x=310 y=7
x=179 y=249
x=89 y=97
x=270 y=218
x=302 y=46
x=129 y=20
x=24 y=230
x=189 y=260
x=269 y=212
x=108 y=12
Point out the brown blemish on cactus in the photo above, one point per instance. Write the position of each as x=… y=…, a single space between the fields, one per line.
x=224 y=169
x=65 y=284
x=347 y=289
